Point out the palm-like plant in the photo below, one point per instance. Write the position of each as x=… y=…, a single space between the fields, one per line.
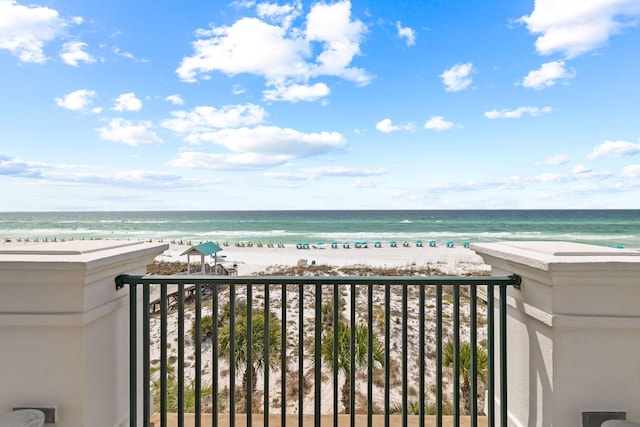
x=344 y=354
x=241 y=356
x=465 y=368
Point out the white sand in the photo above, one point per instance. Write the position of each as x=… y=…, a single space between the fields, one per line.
x=250 y=260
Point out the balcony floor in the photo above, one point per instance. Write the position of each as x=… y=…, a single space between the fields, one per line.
x=326 y=420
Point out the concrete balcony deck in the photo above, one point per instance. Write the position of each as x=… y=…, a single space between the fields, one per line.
x=325 y=420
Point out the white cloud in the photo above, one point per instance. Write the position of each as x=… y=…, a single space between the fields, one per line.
x=559 y=159
x=574 y=27
x=580 y=169
x=127 y=102
x=174 y=99
x=238 y=89
x=262 y=146
x=284 y=56
x=438 y=123
x=295 y=92
x=76 y=100
x=552 y=177
x=614 y=149
x=386 y=126
x=365 y=183
x=631 y=171
x=73 y=53
x=340 y=37
x=203 y=119
x=275 y=140
x=547 y=75
x=406 y=33
x=248 y=46
x=130 y=133
x=457 y=78
x=24 y=30
x=16 y=167
x=517 y=113
x=128 y=55
x=234 y=161
x=307 y=174
x=283 y=15
x=343 y=171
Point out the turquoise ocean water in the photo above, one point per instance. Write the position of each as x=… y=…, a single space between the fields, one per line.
x=600 y=227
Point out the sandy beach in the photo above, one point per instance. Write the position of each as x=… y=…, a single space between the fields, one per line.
x=253 y=259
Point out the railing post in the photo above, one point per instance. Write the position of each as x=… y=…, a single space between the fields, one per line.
x=65 y=328
x=573 y=330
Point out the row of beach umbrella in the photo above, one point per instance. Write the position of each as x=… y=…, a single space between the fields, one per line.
x=393 y=244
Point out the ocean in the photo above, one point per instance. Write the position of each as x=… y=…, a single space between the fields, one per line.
x=599 y=227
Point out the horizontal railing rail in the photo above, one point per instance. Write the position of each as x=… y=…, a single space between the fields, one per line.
x=250 y=334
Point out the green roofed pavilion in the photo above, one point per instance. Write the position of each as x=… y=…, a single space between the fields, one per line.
x=203 y=249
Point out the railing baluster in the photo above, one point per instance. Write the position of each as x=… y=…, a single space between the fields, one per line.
x=301 y=355
x=503 y=355
x=163 y=355
x=439 y=395
x=180 y=370
x=146 y=355
x=215 y=389
x=387 y=352
x=370 y=355
x=456 y=356
x=283 y=353
x=473 y=343
x=335 y=321
x=317 y=371
x=421 y=362
x=267 y=353
x=405 y=346
x=133 y=355
x=352 y=353
x=249 y=364
x=198 y=351
x=491 y=373
x=232 y=353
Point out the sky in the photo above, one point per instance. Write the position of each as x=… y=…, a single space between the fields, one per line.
x=250 y=105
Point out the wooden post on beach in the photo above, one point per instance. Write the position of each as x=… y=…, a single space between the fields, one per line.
x=573 y=331
x=64 y=328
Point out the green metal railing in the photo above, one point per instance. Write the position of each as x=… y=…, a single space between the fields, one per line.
x=462 y=308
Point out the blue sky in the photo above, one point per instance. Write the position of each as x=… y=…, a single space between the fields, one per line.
x=194 y=105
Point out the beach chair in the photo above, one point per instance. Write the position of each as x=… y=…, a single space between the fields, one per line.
x=393 y=244
x=419 y=243
x=345 y=245
x=465 y=244
x=334 y=245
x=432 y=243
x=449 y=244
x=377 y=244
x=405 y=244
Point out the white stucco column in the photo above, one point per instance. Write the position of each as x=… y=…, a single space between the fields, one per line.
x=573 y=330
x=64 y=328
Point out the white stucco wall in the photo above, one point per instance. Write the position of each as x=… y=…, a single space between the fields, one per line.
x=573 y=330
x=64 y=328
